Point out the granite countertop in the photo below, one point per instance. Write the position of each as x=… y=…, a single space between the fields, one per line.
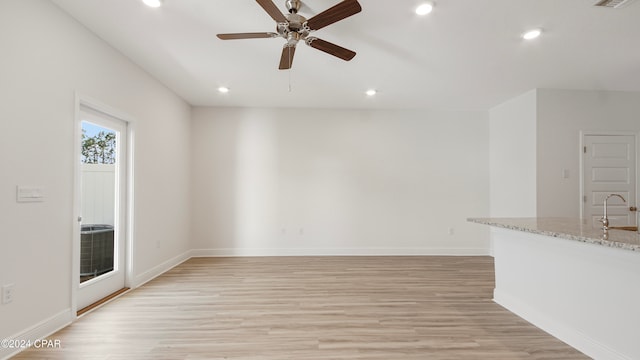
x=567 y=228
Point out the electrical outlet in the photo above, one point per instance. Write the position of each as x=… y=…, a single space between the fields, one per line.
x=7 y=293
x=452 y=231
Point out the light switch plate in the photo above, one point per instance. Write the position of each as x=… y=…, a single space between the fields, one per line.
x=29 y=194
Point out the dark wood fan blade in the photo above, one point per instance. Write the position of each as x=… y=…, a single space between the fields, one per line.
x=286 y=60
x=331 y=49
x=272 y=10
x=334 y=14
x=239 y=36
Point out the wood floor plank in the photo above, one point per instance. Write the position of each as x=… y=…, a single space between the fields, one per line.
x=281 y=308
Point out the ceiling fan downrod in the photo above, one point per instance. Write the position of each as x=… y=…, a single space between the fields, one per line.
x=293 y=6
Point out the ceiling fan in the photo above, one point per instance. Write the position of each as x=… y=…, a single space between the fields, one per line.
x=294 y=27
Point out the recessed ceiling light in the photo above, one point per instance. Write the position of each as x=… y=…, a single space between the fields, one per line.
x=424 y=9
x=371 y=92
x=223 y=89
x=531 y=34
x=153 y=3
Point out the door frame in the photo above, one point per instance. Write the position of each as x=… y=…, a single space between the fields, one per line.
x=635 y=135
x=85 y=101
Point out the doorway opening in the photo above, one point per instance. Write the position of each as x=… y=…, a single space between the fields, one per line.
x=102 y=201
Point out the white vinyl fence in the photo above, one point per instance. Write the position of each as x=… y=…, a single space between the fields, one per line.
x=98 y=193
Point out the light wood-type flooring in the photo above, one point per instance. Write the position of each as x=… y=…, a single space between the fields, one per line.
x=310 y=308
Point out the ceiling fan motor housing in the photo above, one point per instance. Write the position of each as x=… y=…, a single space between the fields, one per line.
x=296 y=22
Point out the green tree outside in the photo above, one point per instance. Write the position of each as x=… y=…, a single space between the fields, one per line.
x=99 y=149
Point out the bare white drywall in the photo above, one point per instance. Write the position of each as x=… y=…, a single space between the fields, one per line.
x=561 y=115
x=535 y=147
x=513 y=157
x=46 y=58
x=316 y=182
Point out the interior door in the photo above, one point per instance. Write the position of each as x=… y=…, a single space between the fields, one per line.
x=609 y=166
x=103 y=206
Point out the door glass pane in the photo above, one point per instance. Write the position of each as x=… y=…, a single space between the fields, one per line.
x=98 y=201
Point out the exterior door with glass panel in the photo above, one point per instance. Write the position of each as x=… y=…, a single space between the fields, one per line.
x=103 y=206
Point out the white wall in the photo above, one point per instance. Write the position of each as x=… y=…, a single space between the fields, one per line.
x=513 y=157
x=308 y=182
x=562 y=114
x=46 y=58
x=536 y=136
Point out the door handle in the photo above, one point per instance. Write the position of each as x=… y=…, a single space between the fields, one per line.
x=633 y=209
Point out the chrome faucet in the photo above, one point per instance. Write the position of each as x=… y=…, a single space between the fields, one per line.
x=605 y=220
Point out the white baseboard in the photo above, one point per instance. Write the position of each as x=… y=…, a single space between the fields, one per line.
x=239 y=252
x=38 y=332
x=561 y=331
x=160 y=269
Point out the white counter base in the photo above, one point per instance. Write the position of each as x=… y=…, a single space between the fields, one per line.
x=584 y=294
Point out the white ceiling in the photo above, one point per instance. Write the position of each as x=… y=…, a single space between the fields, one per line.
x=467 y=54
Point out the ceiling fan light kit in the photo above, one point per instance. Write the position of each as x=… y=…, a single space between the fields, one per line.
x=294 y=27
